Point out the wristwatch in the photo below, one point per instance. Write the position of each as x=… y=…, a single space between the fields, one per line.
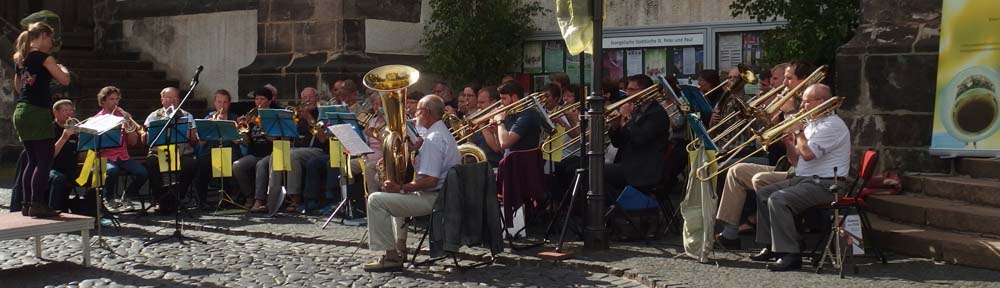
x=796 y=132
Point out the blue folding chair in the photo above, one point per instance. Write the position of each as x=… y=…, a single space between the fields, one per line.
x=633 y=200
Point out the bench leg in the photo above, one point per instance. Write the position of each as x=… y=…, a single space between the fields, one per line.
x=85 y=243
x=38 y=246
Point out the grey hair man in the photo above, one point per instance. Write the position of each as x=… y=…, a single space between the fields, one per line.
x=437 y=153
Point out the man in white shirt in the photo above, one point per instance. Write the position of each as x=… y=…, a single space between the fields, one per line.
x=437 y=153
x=822 y=146
x=169 y=100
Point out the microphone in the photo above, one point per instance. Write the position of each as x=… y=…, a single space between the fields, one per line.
x=197 y=73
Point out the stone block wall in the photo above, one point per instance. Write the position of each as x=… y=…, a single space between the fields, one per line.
x=8 y=137
x=311 y=43
x=888 y=73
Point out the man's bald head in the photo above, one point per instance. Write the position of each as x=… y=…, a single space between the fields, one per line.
x=819 y=91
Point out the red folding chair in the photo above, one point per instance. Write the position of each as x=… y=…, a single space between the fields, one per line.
x=854 y=199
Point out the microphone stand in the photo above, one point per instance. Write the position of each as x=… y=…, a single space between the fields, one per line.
x=172 y=121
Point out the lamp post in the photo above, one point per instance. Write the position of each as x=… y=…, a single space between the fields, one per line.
x=595 y=234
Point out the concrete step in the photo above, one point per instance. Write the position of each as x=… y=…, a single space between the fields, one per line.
x=937 y=212
x=953 y=248
x=119 y=74
x=981 y=191
x=78 y=40
x=91 y=54
x=979 y=167
x=106 y=64
x=126 y=83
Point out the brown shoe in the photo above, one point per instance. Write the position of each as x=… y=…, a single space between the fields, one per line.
x=384 y=264
x=259 y=207
x=40 y=210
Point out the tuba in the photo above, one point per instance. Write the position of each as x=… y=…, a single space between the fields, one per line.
x=391 y=82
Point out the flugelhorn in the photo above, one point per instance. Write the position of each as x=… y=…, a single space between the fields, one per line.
x=130 y=124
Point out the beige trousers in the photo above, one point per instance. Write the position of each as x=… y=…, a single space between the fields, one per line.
x=740 y=178
x=387 y=213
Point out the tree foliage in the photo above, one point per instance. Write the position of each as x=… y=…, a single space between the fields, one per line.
x=478 y=40
x=815 y=29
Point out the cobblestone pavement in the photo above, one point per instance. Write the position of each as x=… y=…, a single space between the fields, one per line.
x=296 y=242
x=240 y=261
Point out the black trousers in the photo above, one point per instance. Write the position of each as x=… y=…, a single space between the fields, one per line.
x=165 y=195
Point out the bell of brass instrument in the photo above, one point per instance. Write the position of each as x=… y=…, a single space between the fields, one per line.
x=243 y=123
x=390 y=82
x=130 y=124
x=471 y=153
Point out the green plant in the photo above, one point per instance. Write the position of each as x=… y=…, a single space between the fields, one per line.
x=477 y=40
x=815 y=29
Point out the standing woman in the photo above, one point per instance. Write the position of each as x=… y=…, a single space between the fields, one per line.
x=35 y=68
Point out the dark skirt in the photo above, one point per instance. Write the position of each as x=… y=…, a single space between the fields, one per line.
x=33 y=122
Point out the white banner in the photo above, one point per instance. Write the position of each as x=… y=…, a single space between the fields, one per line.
x=654 y=41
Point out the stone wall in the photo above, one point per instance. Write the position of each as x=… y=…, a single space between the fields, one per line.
x=8 y=137
x=303 y=43
x=888 y=73
x=221 y=41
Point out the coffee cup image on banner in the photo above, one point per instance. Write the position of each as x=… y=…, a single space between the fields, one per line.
x=969 y=105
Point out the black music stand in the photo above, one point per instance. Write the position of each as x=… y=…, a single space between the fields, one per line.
x=220 y=131
x=98 y=140
x=278 y=123
x=354 y=146
x=171 y=131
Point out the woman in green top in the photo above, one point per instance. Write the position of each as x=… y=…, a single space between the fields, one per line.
x=35 y=68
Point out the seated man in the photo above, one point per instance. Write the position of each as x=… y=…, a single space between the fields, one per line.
x=64 y=167
x=640 y=134
x=165 y=193
x=437 y=153
x=822 y=146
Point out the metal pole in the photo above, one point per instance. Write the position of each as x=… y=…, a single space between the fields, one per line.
x=596 y=234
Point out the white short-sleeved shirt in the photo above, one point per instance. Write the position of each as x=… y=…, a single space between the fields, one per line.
x=160 y=114
x=830 y=140
x=437 y=154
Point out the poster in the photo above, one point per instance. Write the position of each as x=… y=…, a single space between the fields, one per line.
x=573 y=68
x=655 y=60
x=689 y=61
x=634 y=64
x=966 y=103
x=553 y=56
x=612 y=63
x=587 y=74
x=533 y=57
x=730 y=52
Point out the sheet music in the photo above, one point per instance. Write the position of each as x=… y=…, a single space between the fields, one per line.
x=100 y=124
x=353 y=144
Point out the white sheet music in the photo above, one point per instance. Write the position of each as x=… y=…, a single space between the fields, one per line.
x=349 y=138
x=101 y=124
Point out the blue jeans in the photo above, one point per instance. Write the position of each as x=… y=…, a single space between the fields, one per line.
x=138 y=172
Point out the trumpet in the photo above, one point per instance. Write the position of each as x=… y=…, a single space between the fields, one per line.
x=244 y=122
x=130 y=125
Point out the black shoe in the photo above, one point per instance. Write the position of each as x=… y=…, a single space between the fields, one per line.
x=729 y=244
x=24 y=209
x=766 y=255
x=39 y=210
x=788 y=262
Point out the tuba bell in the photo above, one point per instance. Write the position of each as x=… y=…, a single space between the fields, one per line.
x=390 y=82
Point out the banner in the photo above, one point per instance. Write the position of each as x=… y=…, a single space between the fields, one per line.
x=965 y=109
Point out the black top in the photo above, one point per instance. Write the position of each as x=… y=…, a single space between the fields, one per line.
x=492 y=157
x=207 y=147
x=65 y=161
x=35 y=80
x=641 y=143
x=305 y=136
x=526 y=124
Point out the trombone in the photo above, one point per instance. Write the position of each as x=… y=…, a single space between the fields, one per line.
x=748 y=115
x=651 y=93
x=517 y=107
x=768 y=137
x=243 y=122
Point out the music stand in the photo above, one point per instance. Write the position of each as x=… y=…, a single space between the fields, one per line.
x=100 y=133
x=219 y=131
x=278 y=123
x=354 y=146
x=171 y=131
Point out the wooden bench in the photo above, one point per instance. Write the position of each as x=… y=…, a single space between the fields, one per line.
x=15 y=226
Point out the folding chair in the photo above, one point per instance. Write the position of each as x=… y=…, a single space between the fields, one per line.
x=854 y=199
x=633 y=200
